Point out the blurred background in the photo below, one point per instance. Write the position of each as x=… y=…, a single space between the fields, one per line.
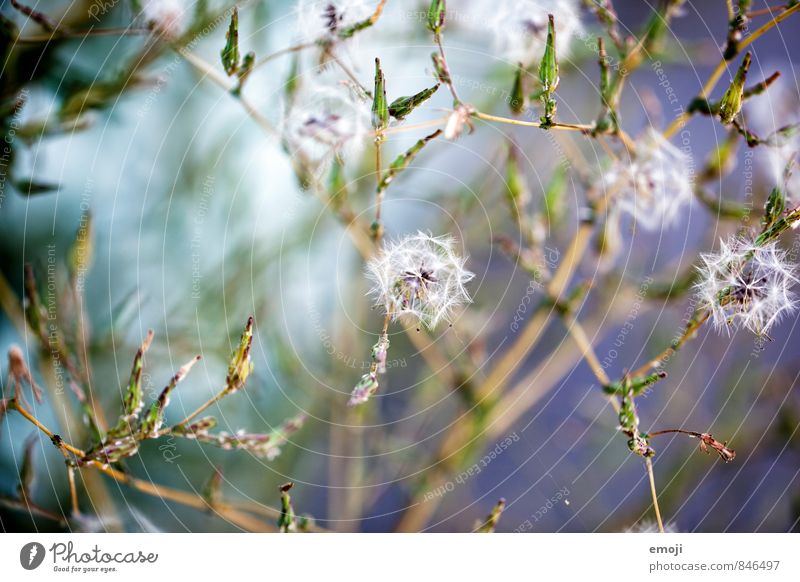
x=198 y=220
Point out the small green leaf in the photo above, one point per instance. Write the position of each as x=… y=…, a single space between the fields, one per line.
x=776 y=204
x=402 y=161
x=401 y=107
x=553 y=202
x=230 y=52
x=518 y=192
x=212 y=492
x=636 y=386
x=287 y=523
x=440 y=69
x=240 y=365
x=244 y=71
x=351 y=30
x=518 y=100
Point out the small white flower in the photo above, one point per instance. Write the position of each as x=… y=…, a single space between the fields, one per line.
x=519 y=27
x=326 y=120
x=168 y=18
x=419 y=276
x=458 y=119
x=324 y=20
x=747 y=286
x=655 y=187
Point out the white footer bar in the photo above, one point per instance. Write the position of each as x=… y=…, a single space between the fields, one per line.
x=389 y=557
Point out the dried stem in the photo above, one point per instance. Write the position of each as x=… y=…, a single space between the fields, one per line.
x=649 y=464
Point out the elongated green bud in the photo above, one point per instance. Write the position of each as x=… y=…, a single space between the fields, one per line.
x=440 y=69
x=548 y=74
x=287 y=523
x=380 y=108
x=518 y=99
x=230 y=52
x=403 y=106
x=776 y=204
x=436 y=16
x=548 y=70
x=731 y=102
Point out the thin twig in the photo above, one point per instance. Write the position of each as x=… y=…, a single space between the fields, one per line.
x=649 y=464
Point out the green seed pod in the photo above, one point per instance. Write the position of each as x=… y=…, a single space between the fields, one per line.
x=230 y=52
x=403 y=106
x=380 y=109
x=548 y=70
x=731 y=102
x=436 y=16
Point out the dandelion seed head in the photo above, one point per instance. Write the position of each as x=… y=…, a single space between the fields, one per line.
x=326 y=120
x=325 y=19
x=655 y=187
x=168 y=18
x=519 y=27
x=747 y=286
x=419 y=276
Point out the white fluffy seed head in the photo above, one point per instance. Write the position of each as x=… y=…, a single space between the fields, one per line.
x=419 y=276
x=168 y=18
x=326 y=120
x=655 y=187
x=325 y=19
x=748 y=286
x=519 y=27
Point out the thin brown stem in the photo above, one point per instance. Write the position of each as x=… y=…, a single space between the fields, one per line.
x=510 y=121
x=768 y=10
x=197 y=412
x=73 y=491
x=587 y=350
x=690 y=330
x=453 y=91
x=15 y=405
x=649 y=464
x=380 y=192
x=216 y=77
x=286 y=51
